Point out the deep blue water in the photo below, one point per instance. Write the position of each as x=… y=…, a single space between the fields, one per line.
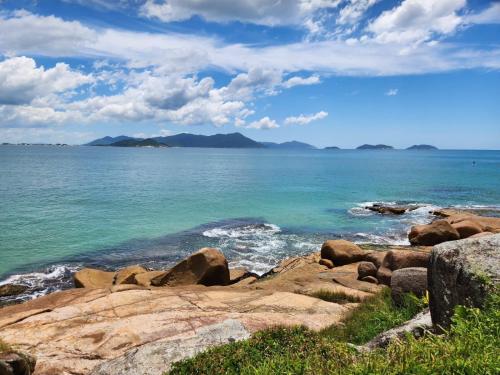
x=65 y=207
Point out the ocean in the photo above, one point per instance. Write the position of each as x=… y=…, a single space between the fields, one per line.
x=63 y=208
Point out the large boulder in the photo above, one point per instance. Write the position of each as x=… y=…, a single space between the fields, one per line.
x=144 y=278
x=93 y=278
x=397 y=259
x=127 y=275
x=408 y=280
x=207 y=266
x=376 y=257
x=342 y=252
x=14 y=363
x=432 y=234
x=467 y=228
x=462 y=273
x=8 y=290
x=384 y=276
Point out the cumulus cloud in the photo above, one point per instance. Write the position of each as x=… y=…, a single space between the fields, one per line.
x=263 y=12
x=265 y=123
x=299 y=81
x=305 y=119
x=490 y=15
x=392 y=92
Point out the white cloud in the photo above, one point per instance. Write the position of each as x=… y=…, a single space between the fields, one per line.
x=264 y=123
x=392 y=92
x=263 y=12
x=21 y=81
x=416 y=21
x=490 y=15
x=305 y=119
x=354 y=10
x=299 y=81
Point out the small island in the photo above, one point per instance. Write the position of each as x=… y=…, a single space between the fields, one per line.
x=332 y=148
x=375 y=147
x=149 y=142
x=422 y=147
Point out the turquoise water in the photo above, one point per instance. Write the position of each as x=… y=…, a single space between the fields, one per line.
x=65 y=207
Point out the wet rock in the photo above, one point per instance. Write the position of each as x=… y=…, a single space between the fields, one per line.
x=370 y=279
x=93 y=278
x=8 y=290
x=342 y=252
x=381 y=209
x=366 y=269
x=462 y=273
x=431 y=234
x=326 y=262
x=408 y=280
x=13 y=363
x=207 y=266
x=467 y=228
x=128 y=275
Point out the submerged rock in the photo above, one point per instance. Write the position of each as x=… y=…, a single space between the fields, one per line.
x=207 y=266
x=462 y=273
x=342 y=252
x=432 y=234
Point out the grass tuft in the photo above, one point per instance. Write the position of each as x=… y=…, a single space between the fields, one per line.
x=4 y=347
x=335 y=296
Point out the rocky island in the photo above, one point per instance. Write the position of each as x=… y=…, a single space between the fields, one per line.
x=422 y=147
x=374 y=147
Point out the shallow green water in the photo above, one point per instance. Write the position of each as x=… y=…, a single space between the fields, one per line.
x=112 y=206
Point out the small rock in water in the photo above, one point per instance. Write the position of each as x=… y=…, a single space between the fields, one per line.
x=8 y=290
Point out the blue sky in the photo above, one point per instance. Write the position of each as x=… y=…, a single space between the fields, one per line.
x=327 y=72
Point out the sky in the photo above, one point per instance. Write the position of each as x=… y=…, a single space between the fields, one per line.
x=326 y=72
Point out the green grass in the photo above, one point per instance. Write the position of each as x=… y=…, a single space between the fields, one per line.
x=4 y=347
x=470 y=347
x=375 y=315
x=337 y=297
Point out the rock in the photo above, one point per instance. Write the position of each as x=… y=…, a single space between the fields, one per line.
x=408 y=280
x=93 y=278
x=326 y=262
x=8 y=290
x=127 y=275
x=384 y=275
x=432 y=234
x=370 y=279
x=366 y=269
x=342 y=252
x=462 y=273
x=239 y=273
x=13 y=363
x=246 y=281
x=467 y=228
x=397 y=259
x=395 y=210
x=482 y=234
x=158 y=357
x=416 y=326
x=376 y=257
x=207 y=266
x=144 y=278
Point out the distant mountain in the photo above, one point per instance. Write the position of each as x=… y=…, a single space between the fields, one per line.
x=233 y=140
x=331 y=148
x=293 y=145
x=422 y=147
x=106 y=141
x=149 y=142
x=374 y=147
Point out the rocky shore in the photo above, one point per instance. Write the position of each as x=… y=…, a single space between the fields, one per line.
x=138 y=321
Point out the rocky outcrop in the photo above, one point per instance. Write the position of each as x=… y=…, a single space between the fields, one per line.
x=16 y=363
x=391 y=209
x=431 y=234
x=8 y=290
x=462 y=273
x=207 y=267
x=128 y=275
x=408 y=280
x=342 y=252
x=144 y=278
x=399 y=259
x=92 y=278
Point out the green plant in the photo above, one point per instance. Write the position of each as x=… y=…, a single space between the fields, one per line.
x=335 y=296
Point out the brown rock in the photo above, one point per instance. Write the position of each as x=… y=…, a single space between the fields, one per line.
x=326 y=262
x=397 y=259
x=342 y=252
x=144 y=279
x=408 y=280
x=395 y=210
x=370 y=279
x=482 y=234
x=384 y=276
x=246 y=281
x=239 y=273
x=92 y=278
x=12 y=290
x=127 y=275
x=376 y=257
x=12 y=363
x=366 y=269
x=467 y=228
x=207 y=266
x=433 y=234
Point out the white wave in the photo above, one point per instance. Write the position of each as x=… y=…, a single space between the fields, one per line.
x=242 y=231
x=370 y=238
